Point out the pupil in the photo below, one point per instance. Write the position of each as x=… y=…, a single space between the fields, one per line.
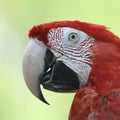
x=73 y=36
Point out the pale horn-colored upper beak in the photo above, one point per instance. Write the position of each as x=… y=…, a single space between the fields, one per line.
x=33 y=65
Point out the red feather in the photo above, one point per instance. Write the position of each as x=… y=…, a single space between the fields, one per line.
x=89 y=105
x=99 y=32
x=100 y=98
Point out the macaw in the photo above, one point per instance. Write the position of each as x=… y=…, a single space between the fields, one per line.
x=80 y=57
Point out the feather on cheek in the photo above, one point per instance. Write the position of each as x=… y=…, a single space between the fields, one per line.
x=76 y=54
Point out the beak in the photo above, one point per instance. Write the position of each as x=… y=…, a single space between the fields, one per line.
x=40 y=67
x=33 y=66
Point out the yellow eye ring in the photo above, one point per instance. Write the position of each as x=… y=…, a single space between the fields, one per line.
x=73 y=37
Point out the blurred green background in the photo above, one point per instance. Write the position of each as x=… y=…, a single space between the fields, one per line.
x=16 y=18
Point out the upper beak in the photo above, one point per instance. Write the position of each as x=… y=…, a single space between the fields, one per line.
x=33 y=66
x=40 y=66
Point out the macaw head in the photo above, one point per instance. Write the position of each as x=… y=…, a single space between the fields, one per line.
x=61 y=55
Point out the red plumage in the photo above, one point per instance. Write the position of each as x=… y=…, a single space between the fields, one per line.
x=99 y=32
x=100 y=98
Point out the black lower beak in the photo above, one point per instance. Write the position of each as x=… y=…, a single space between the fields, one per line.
x=57 y=76
x=60 y=78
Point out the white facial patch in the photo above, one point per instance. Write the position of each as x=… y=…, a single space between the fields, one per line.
x=73 y=48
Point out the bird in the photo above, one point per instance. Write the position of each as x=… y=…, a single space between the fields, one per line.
x=75 y=56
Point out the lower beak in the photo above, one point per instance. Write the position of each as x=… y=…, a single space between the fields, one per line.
x=40 y=67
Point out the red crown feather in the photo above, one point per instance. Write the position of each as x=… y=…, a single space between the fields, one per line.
x=98 y=32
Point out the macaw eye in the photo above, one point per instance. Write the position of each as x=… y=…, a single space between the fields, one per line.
x=73 y=37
